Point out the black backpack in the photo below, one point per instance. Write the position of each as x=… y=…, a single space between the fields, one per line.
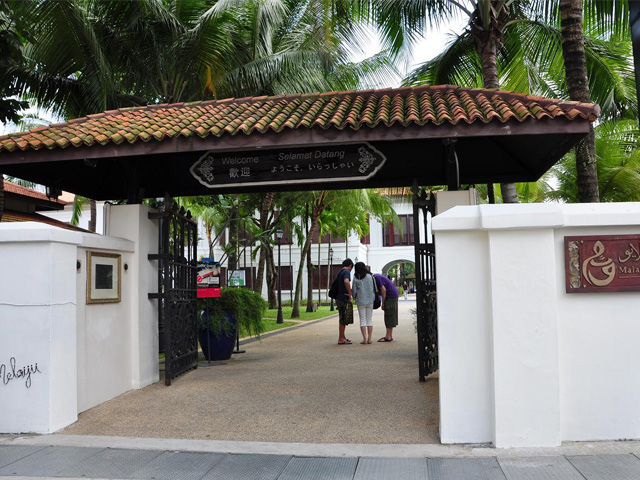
x=333 y=291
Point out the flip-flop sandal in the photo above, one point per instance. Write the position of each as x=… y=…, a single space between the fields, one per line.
x=346 y=342
x=385 y=339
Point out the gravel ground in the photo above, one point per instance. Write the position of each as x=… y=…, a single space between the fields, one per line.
x=296 y=386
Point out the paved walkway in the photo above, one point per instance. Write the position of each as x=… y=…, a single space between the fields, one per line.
x=296 y=386
x=58 y=456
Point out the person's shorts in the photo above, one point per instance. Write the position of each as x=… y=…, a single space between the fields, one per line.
x=390 y=312
x=345 y=317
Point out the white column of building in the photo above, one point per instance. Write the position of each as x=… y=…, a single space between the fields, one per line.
x=132 y=222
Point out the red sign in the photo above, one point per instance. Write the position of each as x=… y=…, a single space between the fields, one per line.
x=605 y=263
x=209 y=292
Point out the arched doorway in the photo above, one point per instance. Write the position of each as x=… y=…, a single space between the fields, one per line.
x=400 y=270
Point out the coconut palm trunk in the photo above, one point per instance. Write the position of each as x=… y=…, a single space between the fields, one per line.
x=93 y=209
x=487 y=33
x=578 y=84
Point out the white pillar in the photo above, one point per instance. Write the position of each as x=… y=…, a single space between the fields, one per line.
x=464 y=337
x=525 y=338
x=132 y=222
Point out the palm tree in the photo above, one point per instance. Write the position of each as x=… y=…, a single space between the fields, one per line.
x=531 y=61
x=402 y=21
x=617 y=146
x=578 y=85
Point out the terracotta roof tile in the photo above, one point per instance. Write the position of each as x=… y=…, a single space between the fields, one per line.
x=12 y=216
x=338 y=110
x=10 y=187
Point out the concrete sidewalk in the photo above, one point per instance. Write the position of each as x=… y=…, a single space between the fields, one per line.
x=64 y=456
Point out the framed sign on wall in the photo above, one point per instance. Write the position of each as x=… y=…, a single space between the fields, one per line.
x=602 y=263
x=103 y=277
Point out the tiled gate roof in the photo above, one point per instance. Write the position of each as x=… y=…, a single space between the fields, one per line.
x=335 y=110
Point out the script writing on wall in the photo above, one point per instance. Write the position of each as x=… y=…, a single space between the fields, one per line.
x=605 y=263
x=13 y=371
x=295 y=165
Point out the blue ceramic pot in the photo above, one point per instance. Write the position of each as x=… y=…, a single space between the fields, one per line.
x=217 y=346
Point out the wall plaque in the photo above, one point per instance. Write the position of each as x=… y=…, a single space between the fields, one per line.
x=103 y=277
x=604 y=263
x=295 y=165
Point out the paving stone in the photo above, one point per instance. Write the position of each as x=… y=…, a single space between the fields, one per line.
x=179 y=466
x=607 y=467
x=111 y=463
x=392 y=469
x=10 y=454
x=49 y=461
x=539 y=468
x=311 y=468
x=464 y=469
x=249 y=467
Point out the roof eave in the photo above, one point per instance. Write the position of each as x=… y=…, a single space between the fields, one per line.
x=301 y=137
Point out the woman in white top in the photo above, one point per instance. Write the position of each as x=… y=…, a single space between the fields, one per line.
x=364 y=293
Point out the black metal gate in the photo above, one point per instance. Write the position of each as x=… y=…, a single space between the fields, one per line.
x=426 y=295
x=177 y=296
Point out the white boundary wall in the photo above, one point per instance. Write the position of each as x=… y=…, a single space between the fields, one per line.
x=70 y=356
x=522 y=363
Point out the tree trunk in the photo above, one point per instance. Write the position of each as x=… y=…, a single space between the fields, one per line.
x=488 y=42
x=578 y=83
x=232 y=254
x=93 y=216
x=262 y=262
x=315 y=214
x=207 y=227
x=309 y=282
x=329 y=270
x=509 y=194
x=265 y=208
x=272 y=278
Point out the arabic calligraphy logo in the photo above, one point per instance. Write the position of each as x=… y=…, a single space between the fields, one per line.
x=366 y=159
x=631 y=253
x=599 y=262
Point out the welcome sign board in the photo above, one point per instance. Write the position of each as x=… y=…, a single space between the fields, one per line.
x=296 y=165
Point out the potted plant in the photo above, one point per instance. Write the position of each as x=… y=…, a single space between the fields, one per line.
x=220 y=318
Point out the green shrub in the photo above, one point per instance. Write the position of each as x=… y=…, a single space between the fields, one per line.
x=247 y=306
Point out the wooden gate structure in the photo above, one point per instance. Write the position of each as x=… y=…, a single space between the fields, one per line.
x=431 y=135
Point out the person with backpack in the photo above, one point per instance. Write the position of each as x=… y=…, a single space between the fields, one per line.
x=343 y=300
x=364 y=293
x=389 y=305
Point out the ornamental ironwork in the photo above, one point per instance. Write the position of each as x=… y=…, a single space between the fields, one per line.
x=177 y=290
x=426 y=293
